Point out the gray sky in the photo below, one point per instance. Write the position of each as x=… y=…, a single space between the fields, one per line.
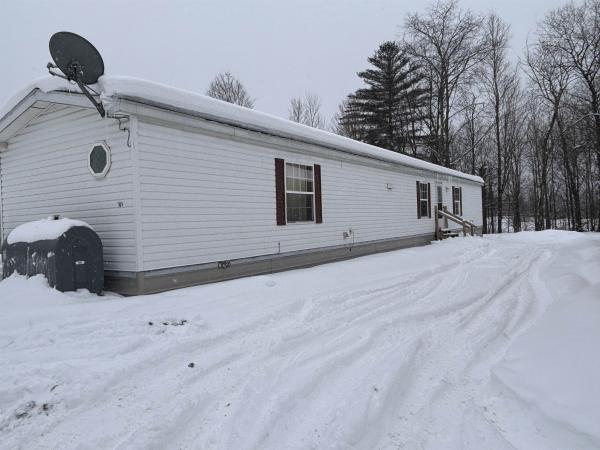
x=278 y=48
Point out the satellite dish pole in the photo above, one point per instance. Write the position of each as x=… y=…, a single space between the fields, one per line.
x=79 y=61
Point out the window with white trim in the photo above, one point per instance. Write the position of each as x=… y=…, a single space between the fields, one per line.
x=457 y=199
x=99 y=160
x=299 y=193
x=423 y=200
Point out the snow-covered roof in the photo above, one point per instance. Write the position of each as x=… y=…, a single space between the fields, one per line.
x=42 y=230
x=148 y=92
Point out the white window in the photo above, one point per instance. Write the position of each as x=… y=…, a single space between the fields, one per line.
x=457 y=200
x=299 y=192
x=423 y=200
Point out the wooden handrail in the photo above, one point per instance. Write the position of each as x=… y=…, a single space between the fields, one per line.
x=452 y=217
x=459 y=220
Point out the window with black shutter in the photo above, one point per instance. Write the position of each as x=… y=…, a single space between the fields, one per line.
x=298 y=192
x=423 y=200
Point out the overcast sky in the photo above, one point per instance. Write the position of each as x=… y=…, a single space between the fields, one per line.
x=278 y=48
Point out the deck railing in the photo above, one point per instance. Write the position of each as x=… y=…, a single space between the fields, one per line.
x=464 y=223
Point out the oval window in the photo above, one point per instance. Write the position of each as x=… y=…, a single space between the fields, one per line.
x=99 y=160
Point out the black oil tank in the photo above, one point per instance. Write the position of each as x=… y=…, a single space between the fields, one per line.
x=70 y=261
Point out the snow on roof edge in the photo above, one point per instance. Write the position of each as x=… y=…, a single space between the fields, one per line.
x=138 y=89
x=44 y=84
x=144 y=90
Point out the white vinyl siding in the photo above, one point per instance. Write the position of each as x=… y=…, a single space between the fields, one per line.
x=45 y=171
x=202 y=198
x=207 y=199
x=471 y=201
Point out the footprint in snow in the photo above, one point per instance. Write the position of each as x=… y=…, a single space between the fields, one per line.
x=27 y=408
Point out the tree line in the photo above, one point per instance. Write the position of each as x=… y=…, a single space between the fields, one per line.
x=451 y=92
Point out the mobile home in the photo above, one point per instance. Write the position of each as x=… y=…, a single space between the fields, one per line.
x=184 y=189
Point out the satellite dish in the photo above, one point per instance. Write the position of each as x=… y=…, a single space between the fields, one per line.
x=75 y=56
x=78 y=60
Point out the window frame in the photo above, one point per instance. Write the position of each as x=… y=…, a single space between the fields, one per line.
x=286 y=192
x=104 y=172
x=440 y=196
x=457 y=201
x=424 y=199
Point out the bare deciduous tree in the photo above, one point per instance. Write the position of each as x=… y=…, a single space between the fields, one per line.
x=228 y=88
x=550 y=78
x=312 y=111
x=573 y=33
x=307 y=111
x=446 y=43
x=499 y=81
x=296 y=112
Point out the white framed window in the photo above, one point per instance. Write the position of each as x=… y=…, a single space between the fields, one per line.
x=424 y=200
x=457 y=200
x=99 y=160
x=299 y=193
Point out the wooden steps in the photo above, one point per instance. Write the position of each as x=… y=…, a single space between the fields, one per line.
x=448 y=233
x=445 y=232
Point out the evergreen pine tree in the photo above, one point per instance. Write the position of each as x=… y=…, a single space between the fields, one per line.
x=388 y=111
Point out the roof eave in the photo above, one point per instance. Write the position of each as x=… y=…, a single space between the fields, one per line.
x=33 y=104
x=263 y=130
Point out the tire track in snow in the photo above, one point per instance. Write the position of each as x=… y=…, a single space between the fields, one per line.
x=394 y=354
x=456 y=386
x=160 y=360
x=142 y=366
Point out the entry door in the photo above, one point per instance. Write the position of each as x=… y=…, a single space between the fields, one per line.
x=440 y=197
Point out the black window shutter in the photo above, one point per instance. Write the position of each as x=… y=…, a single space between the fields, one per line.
x=318 y=207
x=453 y=200
x=418 y=201
x=429 y=200
x=460 y=194
x=280 y=190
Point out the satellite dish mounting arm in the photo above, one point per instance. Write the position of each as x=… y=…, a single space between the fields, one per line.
x=87 y=93
x=75 y=74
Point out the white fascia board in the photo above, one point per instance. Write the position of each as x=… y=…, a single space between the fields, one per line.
x=12 y=121
x=33 y=105
x=189 y=121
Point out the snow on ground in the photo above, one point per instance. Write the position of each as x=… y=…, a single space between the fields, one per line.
x=470 y=343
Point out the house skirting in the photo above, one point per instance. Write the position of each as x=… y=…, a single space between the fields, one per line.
x=154 y=281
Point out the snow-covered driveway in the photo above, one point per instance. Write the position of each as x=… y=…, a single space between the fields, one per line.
x=418 y=348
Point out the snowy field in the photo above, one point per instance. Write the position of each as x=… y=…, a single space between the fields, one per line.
x=467 y=344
